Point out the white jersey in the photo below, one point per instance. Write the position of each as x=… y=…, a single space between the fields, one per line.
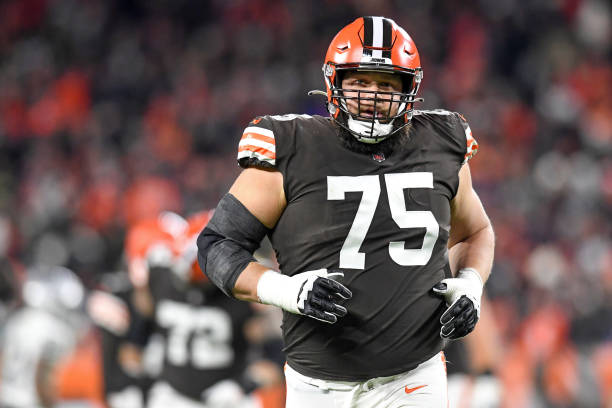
x=30 y=336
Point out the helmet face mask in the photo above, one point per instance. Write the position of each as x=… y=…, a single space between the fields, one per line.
x=372 y=44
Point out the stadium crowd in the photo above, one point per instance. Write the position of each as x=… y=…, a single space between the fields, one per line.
x=112 y=111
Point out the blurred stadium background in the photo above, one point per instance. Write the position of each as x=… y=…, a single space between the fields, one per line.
x=113 y=110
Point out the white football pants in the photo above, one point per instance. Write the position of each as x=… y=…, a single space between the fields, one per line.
x=425 y=386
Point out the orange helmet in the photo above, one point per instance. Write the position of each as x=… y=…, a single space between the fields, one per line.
x=372 y=44
x=152 y=242
x=187 y=265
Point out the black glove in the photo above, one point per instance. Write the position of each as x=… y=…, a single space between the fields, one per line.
x=463 y=295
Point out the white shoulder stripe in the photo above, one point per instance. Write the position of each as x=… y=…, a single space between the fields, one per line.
x=251 y=141
x=259 y=131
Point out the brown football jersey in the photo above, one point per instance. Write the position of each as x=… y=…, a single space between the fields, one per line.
x=382 y=218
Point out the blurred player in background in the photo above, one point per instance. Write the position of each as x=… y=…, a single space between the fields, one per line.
x=382 y=242
x=200 y=347
x=39 y=335
x=121 y=308
x=111 y=309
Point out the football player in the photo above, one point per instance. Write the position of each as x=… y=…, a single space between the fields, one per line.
x=204 y=357
x=369 y=210
x=39 y=335
x=111 y=309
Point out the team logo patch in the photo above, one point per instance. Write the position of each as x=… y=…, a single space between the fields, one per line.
x=379 y=157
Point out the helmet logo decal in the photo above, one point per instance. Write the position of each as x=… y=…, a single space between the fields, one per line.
x=375 y=60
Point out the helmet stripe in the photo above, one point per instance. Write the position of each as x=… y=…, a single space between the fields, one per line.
x=377 y=40
x=377 y=37
x=387 y=37
x=367 y=36
x=368 y=32
x=387 y=31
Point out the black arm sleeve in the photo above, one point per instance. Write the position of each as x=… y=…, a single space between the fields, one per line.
x=226 y=245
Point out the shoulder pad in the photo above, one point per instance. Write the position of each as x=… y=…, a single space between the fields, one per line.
x=258 y=144
x=461 y=134
x=442 y=112
x=471 y=143
x=288 y=117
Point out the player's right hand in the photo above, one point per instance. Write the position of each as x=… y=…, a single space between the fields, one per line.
x=462 y=294
x=314 y=294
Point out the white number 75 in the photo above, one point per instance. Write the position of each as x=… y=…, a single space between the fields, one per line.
x=350 y=257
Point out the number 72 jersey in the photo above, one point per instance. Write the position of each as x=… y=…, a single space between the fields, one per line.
x=384 y=221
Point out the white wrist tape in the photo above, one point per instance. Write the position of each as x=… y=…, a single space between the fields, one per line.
x=472 y=275
x=284 y=291
x=279 y=290
x=472 y=287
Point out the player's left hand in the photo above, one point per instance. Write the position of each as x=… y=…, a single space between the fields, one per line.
x=462 y=294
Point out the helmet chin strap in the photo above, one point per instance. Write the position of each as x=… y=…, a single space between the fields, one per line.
x=380 y=131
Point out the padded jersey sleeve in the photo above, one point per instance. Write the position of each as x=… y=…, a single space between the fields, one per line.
x=257 y=146
x=267 y=142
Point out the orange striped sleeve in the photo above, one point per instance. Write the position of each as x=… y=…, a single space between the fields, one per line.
x=257 y=143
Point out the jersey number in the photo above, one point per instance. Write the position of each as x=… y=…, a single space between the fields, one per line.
x=350 y=257
x=208 y=328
